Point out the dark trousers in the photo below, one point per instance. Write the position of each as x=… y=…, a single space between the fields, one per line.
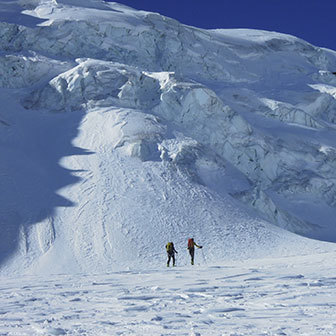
x=192 y=254
x=171 y=255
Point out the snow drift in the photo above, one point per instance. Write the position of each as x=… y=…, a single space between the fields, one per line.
x=123 y=129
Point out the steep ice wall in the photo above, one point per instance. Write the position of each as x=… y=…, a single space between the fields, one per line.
x=138 y=129
x=282 y=165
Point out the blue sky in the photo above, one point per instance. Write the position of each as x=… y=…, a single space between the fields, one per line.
x=311 y=20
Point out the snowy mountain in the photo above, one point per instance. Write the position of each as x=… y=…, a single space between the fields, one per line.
x=121 y=130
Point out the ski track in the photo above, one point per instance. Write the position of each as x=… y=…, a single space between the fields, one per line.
x=253 y=298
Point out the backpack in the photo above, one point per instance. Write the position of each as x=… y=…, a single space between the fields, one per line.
x=170 y=247
x=190 y=243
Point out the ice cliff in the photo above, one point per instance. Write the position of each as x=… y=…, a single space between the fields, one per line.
x=122 y=129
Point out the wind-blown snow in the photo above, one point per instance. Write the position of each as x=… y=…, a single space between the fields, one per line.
x=289 y=296
x=122 y=130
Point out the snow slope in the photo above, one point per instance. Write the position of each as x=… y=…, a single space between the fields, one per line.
x=121 y=130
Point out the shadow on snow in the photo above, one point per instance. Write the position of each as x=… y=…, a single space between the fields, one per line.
x=32 y=145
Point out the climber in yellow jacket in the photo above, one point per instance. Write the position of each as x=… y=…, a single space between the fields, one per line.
x=170 y=252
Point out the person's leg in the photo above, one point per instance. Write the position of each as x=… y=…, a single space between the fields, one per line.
x=173 y=256
x=192 y=254
x=168 y=261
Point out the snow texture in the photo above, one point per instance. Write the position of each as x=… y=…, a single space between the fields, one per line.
x=288 y=296
x=121 y=130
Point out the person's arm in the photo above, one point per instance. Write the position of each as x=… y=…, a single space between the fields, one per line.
x=197 y=245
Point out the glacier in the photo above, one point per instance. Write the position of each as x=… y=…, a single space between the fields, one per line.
x=121 y=130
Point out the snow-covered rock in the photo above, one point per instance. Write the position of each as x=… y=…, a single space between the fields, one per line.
x=124 y=129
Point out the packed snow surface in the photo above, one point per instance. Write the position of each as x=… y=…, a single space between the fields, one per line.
x=121 y=130
x=275 y=297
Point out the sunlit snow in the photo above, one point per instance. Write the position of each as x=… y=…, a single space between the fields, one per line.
x=121 y=130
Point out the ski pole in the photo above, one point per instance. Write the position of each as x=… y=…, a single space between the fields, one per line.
x=204 y=257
